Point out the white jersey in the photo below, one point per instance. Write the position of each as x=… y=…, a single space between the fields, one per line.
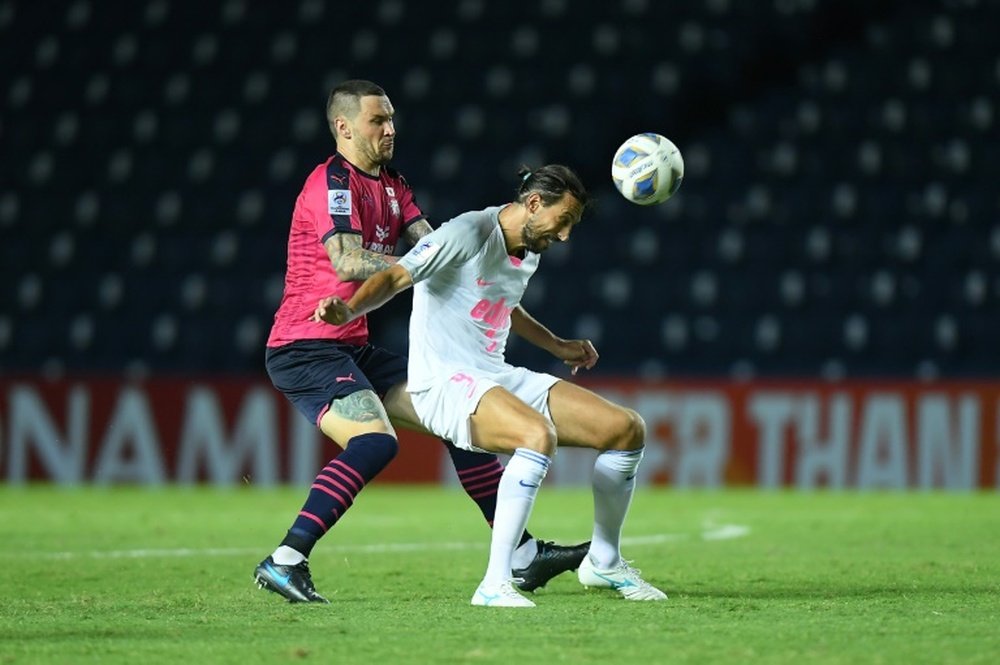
x=465 y=288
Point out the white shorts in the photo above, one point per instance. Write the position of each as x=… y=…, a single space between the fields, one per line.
x=445 y=407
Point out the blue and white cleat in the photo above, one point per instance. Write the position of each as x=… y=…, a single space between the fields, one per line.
x=623 y=578
x=293 y=582
x=500 y=595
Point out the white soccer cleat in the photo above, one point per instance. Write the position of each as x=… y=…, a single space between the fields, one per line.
x=500 y=595
x=622 y=577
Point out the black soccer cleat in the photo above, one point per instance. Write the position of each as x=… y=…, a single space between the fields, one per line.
x=550 y=561
x=293 y=582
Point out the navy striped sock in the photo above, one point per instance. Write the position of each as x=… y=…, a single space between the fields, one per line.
x=336 y=487
x=480 y=474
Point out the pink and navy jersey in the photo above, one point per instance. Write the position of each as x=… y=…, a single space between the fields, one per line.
x=337 y=198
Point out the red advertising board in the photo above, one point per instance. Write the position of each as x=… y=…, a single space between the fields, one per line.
x=804 y=434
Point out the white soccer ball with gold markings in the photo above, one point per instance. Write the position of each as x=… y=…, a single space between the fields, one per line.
x=647 y=169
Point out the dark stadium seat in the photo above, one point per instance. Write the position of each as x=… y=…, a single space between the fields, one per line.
x=837 y=215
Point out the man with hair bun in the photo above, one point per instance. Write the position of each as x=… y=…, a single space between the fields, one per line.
x=468 y=277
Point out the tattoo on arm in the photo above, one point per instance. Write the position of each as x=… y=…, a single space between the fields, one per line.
x=362 y=407
x=416 y=231
x=351 y=261
x=362 y=264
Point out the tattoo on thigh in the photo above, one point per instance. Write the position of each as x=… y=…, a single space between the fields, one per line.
x=362 y=406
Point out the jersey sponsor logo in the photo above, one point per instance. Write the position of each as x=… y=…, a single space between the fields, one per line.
x=339 y=201
x=424 y=251
x=495 y=315
x=381 y=232
x=381 y=247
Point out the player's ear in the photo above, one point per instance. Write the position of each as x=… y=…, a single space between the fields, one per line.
x=343 y=129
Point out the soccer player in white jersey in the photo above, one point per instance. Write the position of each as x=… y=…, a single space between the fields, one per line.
x=469 y=276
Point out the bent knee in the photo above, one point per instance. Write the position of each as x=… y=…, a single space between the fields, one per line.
x=388 y=446
x=637 y=429
x=630 y=431
x=540 y=435
x=372 y=452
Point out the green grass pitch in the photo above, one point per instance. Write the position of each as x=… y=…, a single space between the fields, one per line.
x=164 y=576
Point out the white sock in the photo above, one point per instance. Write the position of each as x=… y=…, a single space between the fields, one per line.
x=515 y=498
x=524 y=554
x=286 y=556
x=614 y=482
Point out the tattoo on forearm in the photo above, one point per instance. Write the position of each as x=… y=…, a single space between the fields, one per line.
x=417 y=230
x=363 y=264
x=362 y=406
x=351 y=261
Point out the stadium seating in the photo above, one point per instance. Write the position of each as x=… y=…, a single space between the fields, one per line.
x=838 y=216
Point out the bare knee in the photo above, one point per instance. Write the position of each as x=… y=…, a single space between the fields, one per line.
x=630 y=431
x=539 y=435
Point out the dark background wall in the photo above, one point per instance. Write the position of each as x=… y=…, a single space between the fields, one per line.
x=839 y=216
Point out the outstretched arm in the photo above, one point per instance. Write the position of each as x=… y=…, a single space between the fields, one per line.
x=352 y=262
x=576 y=353
x=375 y=292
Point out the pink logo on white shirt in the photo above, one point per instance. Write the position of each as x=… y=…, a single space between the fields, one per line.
x=496 y=315
x=461 y=377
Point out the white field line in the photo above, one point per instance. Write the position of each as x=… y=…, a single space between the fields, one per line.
x=714 y=533
x=725 y=532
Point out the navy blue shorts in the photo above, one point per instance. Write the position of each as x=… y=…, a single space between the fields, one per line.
x=312 y=373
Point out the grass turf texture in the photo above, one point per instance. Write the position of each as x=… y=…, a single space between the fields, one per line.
x=101 y=576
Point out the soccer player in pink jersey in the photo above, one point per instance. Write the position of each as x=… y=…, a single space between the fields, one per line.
x=469 y=276
x=352 y=211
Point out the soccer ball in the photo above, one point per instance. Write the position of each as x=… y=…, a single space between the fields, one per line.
x=647 y=169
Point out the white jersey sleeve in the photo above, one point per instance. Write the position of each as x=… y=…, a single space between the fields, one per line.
x=454 y=243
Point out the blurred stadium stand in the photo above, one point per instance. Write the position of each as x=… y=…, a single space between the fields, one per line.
x=839 y=217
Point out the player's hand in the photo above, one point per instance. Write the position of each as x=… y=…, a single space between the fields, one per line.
x=332 y=310
x=577 y=353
